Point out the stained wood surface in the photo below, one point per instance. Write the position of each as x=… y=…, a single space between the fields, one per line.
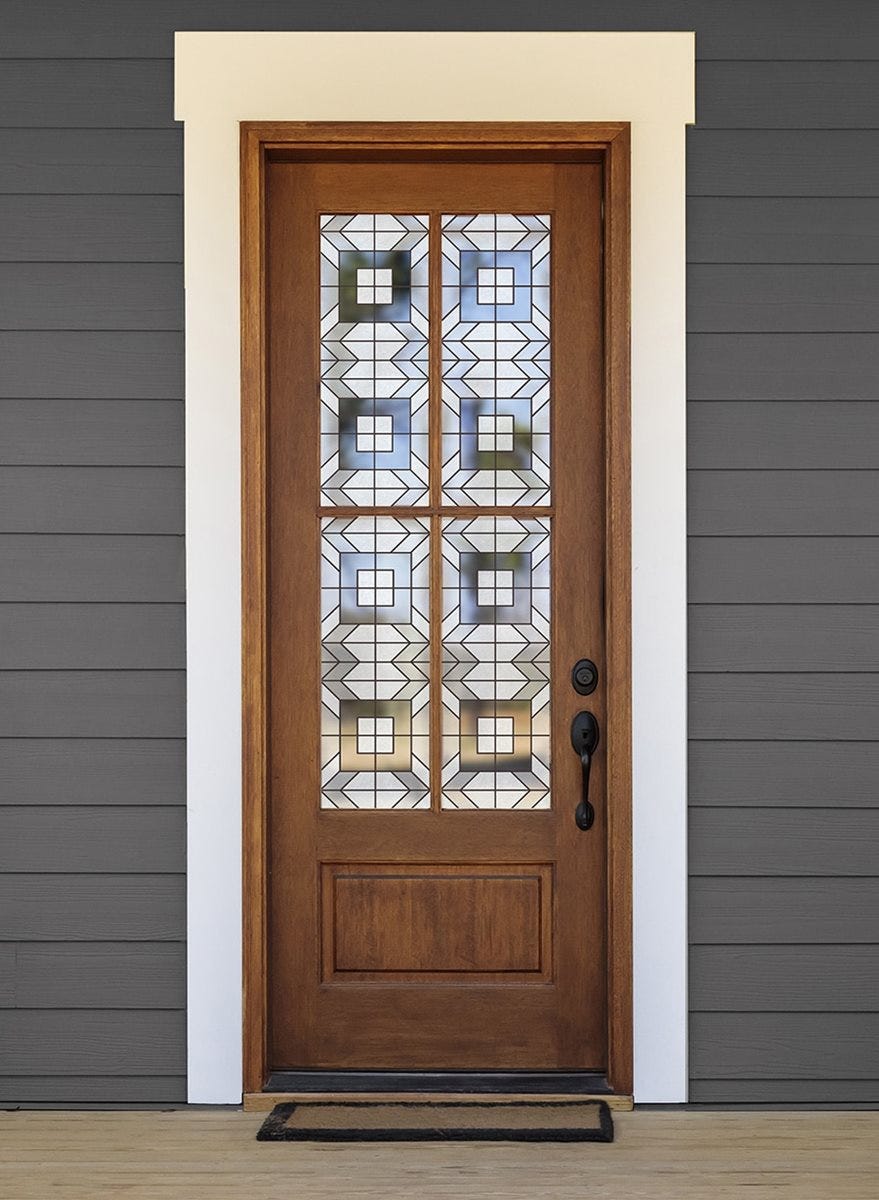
x=656 y=1156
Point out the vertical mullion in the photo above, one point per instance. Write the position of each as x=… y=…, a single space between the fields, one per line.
x=435 y=301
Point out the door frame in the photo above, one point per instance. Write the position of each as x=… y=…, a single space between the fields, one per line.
x=223 y=78
x=609 y=144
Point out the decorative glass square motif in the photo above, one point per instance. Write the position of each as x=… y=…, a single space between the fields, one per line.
x=496 y=662
x=375 y=662
x=496 y=359
x=374 y=359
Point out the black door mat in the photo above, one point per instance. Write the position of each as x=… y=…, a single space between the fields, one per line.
x=440 y=1121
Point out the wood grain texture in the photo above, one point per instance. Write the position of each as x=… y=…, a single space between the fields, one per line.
x=137 y=433
x=784 y=1045
x=745 y=162
x=130 y=296
x=783 y=503
x=57 y=567
x=783 y=366
x=89 y=908
x=788 y=95
x=783 y=229
x=823 y=774
x=41 y=637
x=77 y=1042
x=784 y=978
x=770 y=911
x=784 y=841
x=784 y=570
x=92 y=703
x=770 y=298
x=36 y=771
x=765 y=435
x=91 y=228
x=781 y=637
x=65 y=975
x=801 y=706
x=91 y=365
x=92 y=839
x=91 y=500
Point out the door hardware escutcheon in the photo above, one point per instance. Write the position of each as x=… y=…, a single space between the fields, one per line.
x=584 y=738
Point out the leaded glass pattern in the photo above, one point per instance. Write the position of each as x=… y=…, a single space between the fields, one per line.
x=374 y=359
x=496 y=662
x=375 y=662
x=496 y=359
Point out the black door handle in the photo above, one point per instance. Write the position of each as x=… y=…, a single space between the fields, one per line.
x=584 y=739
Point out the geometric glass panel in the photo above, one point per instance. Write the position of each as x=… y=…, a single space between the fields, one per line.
x=375 y=662
x=496 y=662
x=374 y=359
x=495 y=359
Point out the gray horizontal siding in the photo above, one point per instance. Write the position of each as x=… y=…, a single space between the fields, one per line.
x=107 y=975
x=768 y=298
x=784 y=1092
x=91 y=228
x=39 y=637
x=784 y=570
x=91 y=161
x=35 y=771
x=788 y=95
x=799 y=707
x=92 y=840
x=783 y=503
x=61 y=93
x=58 y=567
x=92 y=703
x=783 y=841
x=132 y=296
x=89 y=908
x=89 y=433
x=783 y=1045
x=783 y=366
x=74 y=1042
x=50 y=1091
x=784 y=911
x=91 y=365
x=800 y=637
x=796 y=773
x=145 y=500
x=786 y=229
x=747 y=162
x=792 y=436
x=784 y=978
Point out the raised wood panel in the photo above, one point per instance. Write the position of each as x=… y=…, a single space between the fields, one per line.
x=765 y=435
x=44 y=567
x=52 y=1090
x=92 y=637
x=78 y=1042
x=802 y=707
x=37 y=771
x=823 y=774
x=91 y=366
x=784 y=911
x=91 y=229
x=89 y=908
x=767 y=298
x=91 y=500
x=783 y=366
x=68 y=975
x=782 y=162
x=782 y=637
x=783 y=503
x=782 y=229
x=130 y=296
x=91 y=161
x=788 y=95
x=92 y=703
x=63 y=93
x=783 y=841
x=92 y=839
x=784 y=978
x=136 y=433
x=781 y=570
x=784 y=1045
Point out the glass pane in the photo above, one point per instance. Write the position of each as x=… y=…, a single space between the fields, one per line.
x=375 y=662
x=495 y=359
x=374 y=359
x=496 y=665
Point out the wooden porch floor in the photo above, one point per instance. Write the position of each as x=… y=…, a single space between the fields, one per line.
x=657 y=1156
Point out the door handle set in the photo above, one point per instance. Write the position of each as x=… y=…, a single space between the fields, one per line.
x=585 y=734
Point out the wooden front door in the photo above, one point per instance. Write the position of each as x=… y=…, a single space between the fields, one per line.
x=436 y=490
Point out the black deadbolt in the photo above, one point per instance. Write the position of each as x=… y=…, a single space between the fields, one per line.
x=584 y=677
